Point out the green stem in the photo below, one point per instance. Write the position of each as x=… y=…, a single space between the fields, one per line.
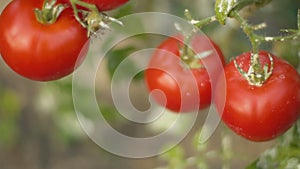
x=90 y=7
x=256 y=39
x=49 y=12
x=187 y=54
x=199 y=23
x=249 y=31
x=243 y=3
x=92 y=19
x=257 y=74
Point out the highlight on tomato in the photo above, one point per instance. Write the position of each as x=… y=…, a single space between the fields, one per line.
x=261 y=103
x=180 y=72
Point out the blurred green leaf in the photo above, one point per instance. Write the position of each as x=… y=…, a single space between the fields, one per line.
x=109 y=113
x=286 y=155
x=10 y=111
x=175 y=158
x=124 y=10
x=289 y=51
x=115 y=57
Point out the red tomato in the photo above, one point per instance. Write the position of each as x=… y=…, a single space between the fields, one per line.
x=37 y=51
x=259 y=113
x=103 y=5
x=185 y=89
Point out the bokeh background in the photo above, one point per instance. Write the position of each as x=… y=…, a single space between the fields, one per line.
x=39 y=128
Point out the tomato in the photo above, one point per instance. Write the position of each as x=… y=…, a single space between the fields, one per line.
x=185 y=89
x=259 y=113
x=38 y=51
x=103 y=5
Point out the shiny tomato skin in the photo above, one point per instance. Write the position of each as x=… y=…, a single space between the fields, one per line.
x=37 y=51
x=103 y=5
x=259 y=113
x=185 y=89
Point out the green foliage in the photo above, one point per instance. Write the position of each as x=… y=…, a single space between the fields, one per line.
x=175 y=158
x=286 y=155
x=289 y=51
x=10 y=107
x=115 y=57
x=124 y=10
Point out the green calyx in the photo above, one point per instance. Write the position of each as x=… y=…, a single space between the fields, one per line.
x=192 y=59
x=49 y=12
x=257 y=74
x=96 y=22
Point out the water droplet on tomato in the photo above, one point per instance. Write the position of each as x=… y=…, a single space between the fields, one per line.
x=282 y=77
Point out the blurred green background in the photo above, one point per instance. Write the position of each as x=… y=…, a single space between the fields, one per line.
x=39 y=128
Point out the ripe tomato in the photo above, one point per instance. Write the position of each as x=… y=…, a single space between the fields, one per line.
x=259 y=113
x=185 y=89
x=38 y=51
x=103 y=5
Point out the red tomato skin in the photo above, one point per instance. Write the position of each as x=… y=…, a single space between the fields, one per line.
x=103 y=5
x=181 y=86
x=37 y=51
x=259 y=113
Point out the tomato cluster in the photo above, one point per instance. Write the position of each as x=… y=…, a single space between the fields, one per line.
x=44 y=51
x=183 y=71
x=258 y=113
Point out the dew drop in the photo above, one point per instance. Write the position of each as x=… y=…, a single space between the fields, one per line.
x=282 y=77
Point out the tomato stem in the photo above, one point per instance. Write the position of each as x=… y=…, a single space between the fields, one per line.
x=92 y=19
x=187 y=53
x=49 y=12
x=258 y=74
x=199 y=23
x=256 y=39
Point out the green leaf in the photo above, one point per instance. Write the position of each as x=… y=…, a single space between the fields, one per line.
x=224 y=7
x=175 y=158
x=115 y=57
x=285 y=155
x=289 y=51
x=124 y=10
x=10 y=108
x=253 y=165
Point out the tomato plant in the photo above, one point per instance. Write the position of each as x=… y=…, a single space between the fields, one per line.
x=184 y=86
x=103 y=5
x=40 y=51
x=259 y=113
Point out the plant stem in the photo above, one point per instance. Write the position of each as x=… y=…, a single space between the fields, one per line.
x=199 y=23
x=187 y=53
x=90 y=7
x=256 y=39
x=91 y=19
x=49 y=12
x=249 y=31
